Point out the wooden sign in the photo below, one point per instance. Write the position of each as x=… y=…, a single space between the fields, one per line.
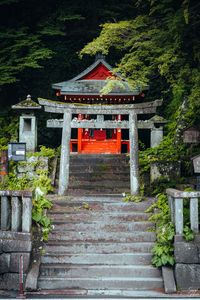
x=196 y=163
x=191 y=135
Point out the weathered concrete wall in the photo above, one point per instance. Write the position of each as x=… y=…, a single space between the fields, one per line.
x=12 y=246
x=165 y=169
x=187 y=268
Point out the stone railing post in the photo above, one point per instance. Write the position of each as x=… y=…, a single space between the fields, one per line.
x=26 y=214
x=179 y=215
x=171 y=208
x=5 y=213
x=16 y=209
x=194 y=216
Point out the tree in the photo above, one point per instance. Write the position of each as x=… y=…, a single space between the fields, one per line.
x=40 y=40
x=159 y=47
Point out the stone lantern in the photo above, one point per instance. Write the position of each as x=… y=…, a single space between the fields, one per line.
x=28 y=122
x=157 y=130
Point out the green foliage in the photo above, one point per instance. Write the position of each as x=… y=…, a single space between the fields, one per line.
x=160 y=185
x=40 y=204
x=11 y=182
x=132 y=198
x=44 y=152
x=21 y=49
x=40 y=185
x=188 y=233
x=153 y=49
x=8 y=130
x=163 y=251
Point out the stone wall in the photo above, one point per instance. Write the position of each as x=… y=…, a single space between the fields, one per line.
x=32 y=166
x=12 y=246
x=165 y=169
x=187 y=268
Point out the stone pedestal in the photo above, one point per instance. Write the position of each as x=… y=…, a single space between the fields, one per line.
x=187 y=268
x=28 y=132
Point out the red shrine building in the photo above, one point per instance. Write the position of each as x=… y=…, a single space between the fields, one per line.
x=87 y=88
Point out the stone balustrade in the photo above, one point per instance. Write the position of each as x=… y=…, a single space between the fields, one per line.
x=175 y=198
x=15 y=236
x=16 y=211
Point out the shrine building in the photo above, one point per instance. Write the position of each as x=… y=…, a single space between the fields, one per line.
x=86 y=88
x=100 y=114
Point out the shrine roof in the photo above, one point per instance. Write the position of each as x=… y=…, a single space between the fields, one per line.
x=27 y=104
x=94 y=87
x=93 y=79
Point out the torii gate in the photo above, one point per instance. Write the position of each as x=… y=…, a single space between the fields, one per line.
x=67 y=109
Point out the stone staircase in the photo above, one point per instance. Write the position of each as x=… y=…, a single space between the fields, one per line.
x=100 y=173
x=99 y=246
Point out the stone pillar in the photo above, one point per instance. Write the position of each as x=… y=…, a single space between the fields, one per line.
x=16 y=217
x=179 y=215
x=134 y=167
x=65 y=153
x=194 y=215
x=156 y=136
x=26 y=214
x=5 y=213
x=28 y=131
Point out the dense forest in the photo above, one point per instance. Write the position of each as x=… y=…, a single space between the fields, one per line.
x=154 y=42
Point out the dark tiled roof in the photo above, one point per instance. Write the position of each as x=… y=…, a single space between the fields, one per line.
x=94 y=87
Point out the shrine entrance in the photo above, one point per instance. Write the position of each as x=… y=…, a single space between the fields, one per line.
x=67 y=123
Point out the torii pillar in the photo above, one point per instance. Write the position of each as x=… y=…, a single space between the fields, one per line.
x=134 y=165
x=65 y=153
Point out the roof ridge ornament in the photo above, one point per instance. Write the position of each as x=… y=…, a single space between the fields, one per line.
x=28 y=97
x=99 y=55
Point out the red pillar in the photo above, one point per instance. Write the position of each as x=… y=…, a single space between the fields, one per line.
x=80 y=133
x=119 y=136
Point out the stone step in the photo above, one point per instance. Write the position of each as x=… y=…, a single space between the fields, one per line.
x=107 y=184
x=93 y=177
x=108 y=227
x=66 y=207
x=94 y=271
x=57 y=247
x=97 y=190
x=100 y=283
x=98 y=259
x=101 y=157
x=117 y=198
x=72 y=294
x=99 y=169
x=102 y=174
x=90 y=216
x=99 y=236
